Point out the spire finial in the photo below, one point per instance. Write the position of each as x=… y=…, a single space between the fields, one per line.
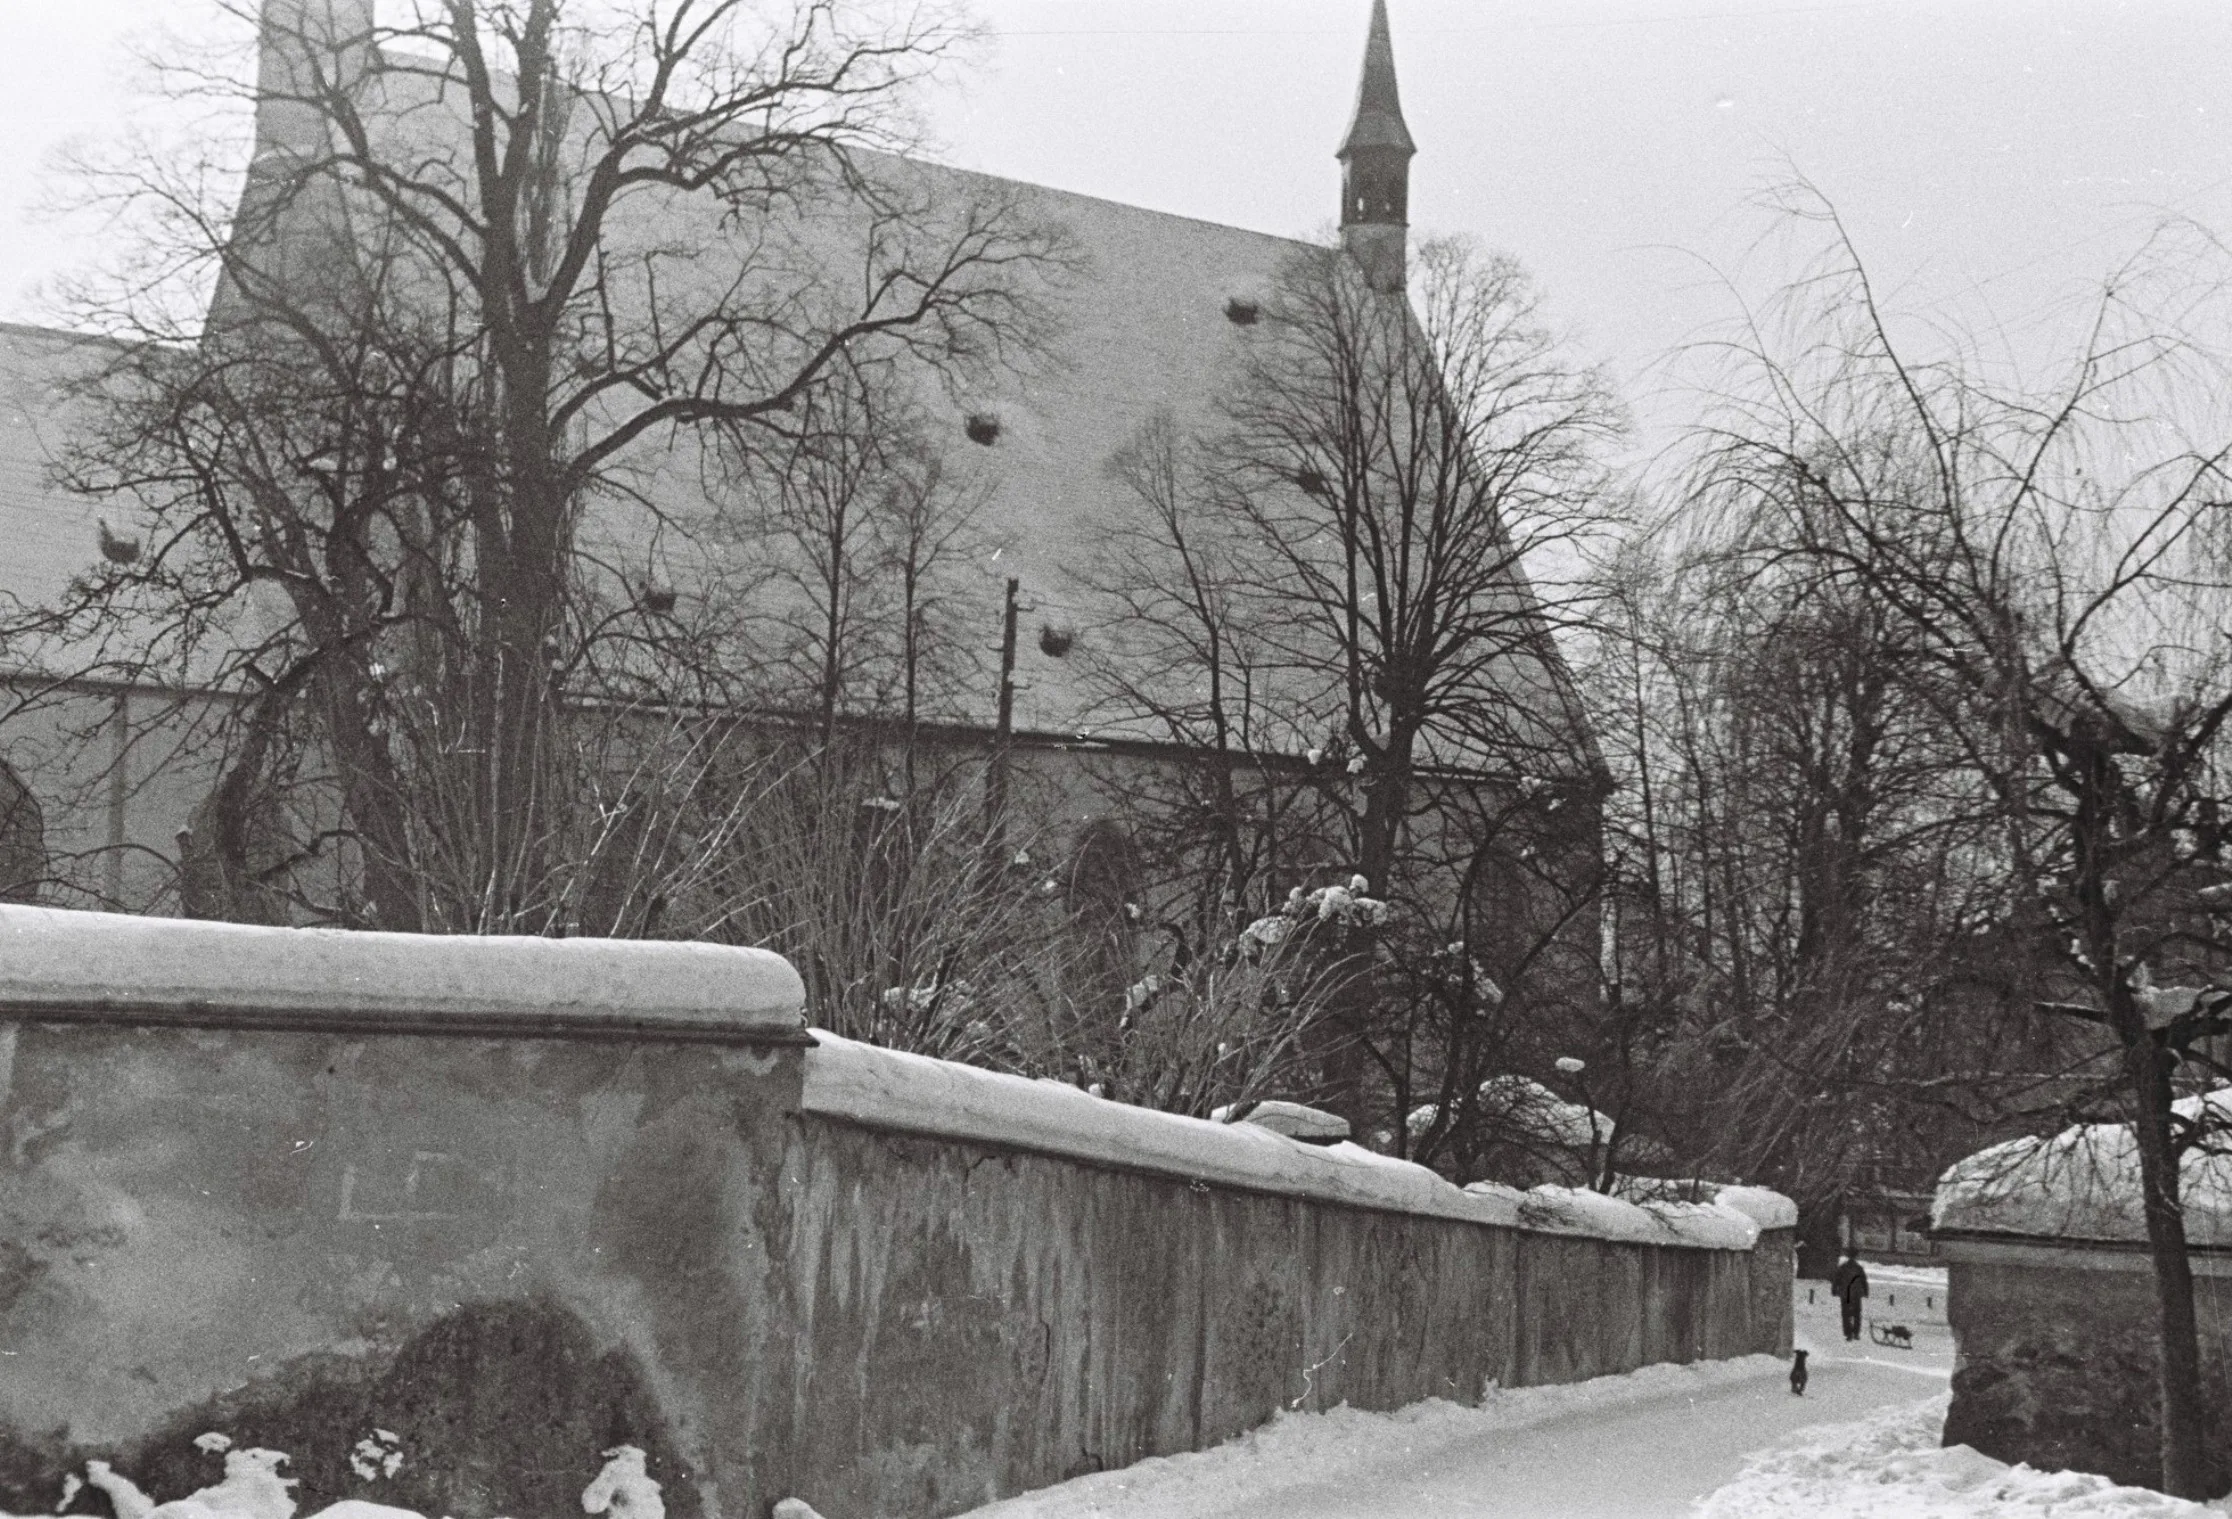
x=1375 y=165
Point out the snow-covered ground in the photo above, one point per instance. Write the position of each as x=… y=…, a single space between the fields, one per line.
x=1649 y=1443
x=1891 y=1464
x=1918 y=1304
x=1724 y=1440
x=1344 y=1461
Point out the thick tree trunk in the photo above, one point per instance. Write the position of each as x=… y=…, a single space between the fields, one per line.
x=523 y=602
x=2185 y=1464
x=374 y=804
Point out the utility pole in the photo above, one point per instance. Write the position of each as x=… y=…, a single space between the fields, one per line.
x=1003 y=728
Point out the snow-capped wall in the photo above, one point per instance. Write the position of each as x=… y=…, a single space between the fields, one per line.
x=1769 y=1210
x=443 y=1219
x=2051 y=1298
x=84 y=964
x=888 y=1089
x=2080 y=1184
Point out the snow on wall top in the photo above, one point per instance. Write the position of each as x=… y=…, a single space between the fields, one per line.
x=59 y=964
x=888 y=1089
x=2082 y=1184
x=1769 y=1210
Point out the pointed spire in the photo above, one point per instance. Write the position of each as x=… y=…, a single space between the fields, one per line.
x=1379 y=108
x=1375 y=167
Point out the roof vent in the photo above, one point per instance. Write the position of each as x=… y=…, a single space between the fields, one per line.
x=117 y=549
x=1241 y=312
x=984 y=428
x=1054 y=641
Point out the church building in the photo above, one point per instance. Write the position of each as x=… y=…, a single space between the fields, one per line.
x=100 y=793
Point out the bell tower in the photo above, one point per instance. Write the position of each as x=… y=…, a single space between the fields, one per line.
x=1375 y=167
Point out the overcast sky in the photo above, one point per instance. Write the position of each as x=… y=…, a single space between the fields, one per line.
x=1990 y=155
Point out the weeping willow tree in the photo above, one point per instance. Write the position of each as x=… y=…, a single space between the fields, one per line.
x=1962 y=726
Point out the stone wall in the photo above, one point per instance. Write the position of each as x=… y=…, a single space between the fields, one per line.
x=517 y=1202
x=2059 y=1352
x=2051 y=1297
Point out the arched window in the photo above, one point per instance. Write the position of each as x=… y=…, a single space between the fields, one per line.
x=23 y=861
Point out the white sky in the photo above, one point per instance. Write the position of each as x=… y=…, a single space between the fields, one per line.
x=1989 y=153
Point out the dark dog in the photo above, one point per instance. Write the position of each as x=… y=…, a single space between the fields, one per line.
x=1798 y=1372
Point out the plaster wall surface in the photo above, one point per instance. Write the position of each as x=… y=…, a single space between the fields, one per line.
x=980 y=1321
x=2058 y=1354
x=516 y=1249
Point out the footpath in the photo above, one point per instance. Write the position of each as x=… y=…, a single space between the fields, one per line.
x=1635 y=1447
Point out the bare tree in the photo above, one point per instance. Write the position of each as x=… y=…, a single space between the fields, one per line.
x=1230 y=821
x=1402 y=480
x=860 y=526
x=1792 y=901
x=497 y=269
x=1342 y=597
x=2055 y=562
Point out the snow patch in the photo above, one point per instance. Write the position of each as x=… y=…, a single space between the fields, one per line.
x=98 y=960
x=1891 y=1463
x=253 y=1489
x=1577 y=1210
x=1925 y=1278
x=124 y=1495
x=1532 y=1110
x=1769 y=1210
x=623 y=1489
x=1292 y=1119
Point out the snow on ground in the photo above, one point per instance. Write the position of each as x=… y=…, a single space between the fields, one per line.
x=1647 y=1444
x=1303 y=1450
x=253 y=1489
x=1891 y=1464
x=1904 y=1295
x=1916 y=1276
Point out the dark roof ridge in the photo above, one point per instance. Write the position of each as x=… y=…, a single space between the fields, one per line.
x=63 y=334
x=1103 y=200
x=926 y=161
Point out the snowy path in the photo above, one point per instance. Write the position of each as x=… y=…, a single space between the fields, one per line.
x=1648 y=1444
x=1647 y=1459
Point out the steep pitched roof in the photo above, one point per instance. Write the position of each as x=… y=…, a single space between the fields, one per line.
x=47 y=535
x=1140 y=328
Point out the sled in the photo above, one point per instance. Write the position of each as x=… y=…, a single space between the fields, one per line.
x=1897 y=1336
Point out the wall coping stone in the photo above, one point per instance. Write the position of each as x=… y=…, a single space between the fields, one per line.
x=60 y=966
x=915 y=1094
x=2062 y=1253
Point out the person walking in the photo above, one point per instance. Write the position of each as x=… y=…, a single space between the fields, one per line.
x=1850 y=1284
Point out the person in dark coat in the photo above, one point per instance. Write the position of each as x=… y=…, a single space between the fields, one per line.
x=1850 y=1284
